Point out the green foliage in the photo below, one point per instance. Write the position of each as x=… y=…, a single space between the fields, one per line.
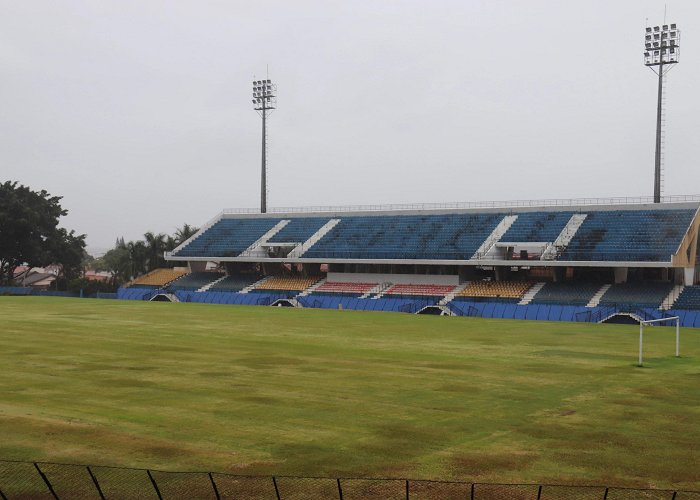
x=29 y=232
x=90 y=287
x=127 y=260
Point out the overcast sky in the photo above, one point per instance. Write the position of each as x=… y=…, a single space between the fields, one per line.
x=139 y=113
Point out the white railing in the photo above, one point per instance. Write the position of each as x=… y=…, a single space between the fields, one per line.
x=570 y=202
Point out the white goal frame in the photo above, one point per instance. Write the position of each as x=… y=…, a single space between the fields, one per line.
x=653 y=321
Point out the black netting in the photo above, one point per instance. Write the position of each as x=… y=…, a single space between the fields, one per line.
x=21 y=481
x=70 y=481
x=245 y=487
x=124 y=483
x=371 y=489
x=437 y=490
x=632 y=494
x=573 y=493
x=505 y=491
x=301 y=488
x=175 y=485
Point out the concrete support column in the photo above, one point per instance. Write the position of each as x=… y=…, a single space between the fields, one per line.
x=688 y=275
x=620 y=275
x=197 y=266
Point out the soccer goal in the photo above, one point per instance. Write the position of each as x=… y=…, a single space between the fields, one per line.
x=643 y=323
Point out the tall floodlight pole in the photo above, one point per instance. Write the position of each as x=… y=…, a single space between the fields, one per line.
x=264 y=101
x=661 y=51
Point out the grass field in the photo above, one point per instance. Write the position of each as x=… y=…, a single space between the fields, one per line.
x=312 y=392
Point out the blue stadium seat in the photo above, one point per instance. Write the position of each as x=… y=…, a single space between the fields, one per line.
x=689 y=299
x=629 y=235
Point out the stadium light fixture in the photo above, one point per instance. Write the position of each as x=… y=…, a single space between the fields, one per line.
x=264 y=102
x=661 y=51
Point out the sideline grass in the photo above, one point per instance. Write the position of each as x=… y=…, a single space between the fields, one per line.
x=313 y=392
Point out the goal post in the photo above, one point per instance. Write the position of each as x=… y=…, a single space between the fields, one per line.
x=642 y=323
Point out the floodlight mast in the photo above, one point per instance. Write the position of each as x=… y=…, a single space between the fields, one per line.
x=264 y=101
x=662 y=49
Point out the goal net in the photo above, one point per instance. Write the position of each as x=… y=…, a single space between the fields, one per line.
x=653 y=322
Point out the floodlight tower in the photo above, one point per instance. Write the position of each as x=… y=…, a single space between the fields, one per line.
x=661 y=50
x=264 y=101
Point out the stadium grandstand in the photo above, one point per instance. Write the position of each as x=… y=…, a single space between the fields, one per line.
x=561 y=260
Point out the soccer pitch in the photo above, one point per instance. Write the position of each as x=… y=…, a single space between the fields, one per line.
x=265 y=390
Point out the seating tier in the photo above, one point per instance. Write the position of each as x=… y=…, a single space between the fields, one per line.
x=234 y=283
x=629 y=235
x=292 y=283
x=339 y=287
x=228 y=237
x=447 y=236
x=637 y=295
x=158 y=277
x=195 y=281
x=688 y=299
x=537 y=227
x=299 y=230
x=418 y=290
x=566 y=293
x=497 y=289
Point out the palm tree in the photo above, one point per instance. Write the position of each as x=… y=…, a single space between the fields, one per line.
x=185 y=233
x=155 y=247
x=138 y=257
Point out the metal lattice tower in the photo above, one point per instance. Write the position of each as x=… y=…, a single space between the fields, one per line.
x=264 y=102
x=661 y=52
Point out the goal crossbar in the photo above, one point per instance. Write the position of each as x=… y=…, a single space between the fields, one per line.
x=677 y=319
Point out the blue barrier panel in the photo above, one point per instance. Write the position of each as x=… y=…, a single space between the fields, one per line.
x=453 y=307
x=362 y=304
x=509 y=311
x=690 y=319
x=554 y=313
x=498 y=310
x=15 y=290
x=543 y=312
x=520 y=311
x=567 y=313
x=487 y=311
x=531 y=312
x=696 y=321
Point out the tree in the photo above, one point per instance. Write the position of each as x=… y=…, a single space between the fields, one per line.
x=138 y=258
x=185 y=233
x=29 y=232
x=68 y=249
x=118 y=262
x=155 y=247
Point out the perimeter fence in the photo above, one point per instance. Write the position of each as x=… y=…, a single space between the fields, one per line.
x=51 y=481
